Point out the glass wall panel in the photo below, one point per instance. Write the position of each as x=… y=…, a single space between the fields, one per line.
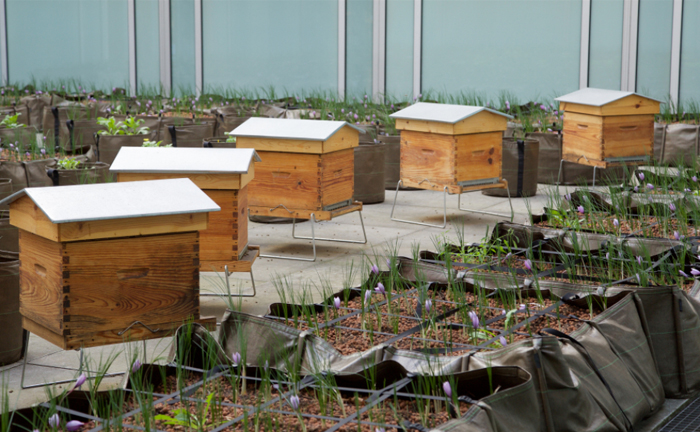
x=286 y=45
x=82 y=40
x=690 y=53
x=605 y=58
x=147 y=45
x=182 y=45
x=530 y=48
x=399 y=49
x=654 y=48
x=358 y=43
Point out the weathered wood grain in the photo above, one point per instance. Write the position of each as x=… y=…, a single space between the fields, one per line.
x=26 y=215
x=41 y=280
x=203 y=181
x=630 y=105
x=290 y=179
x=478 y=156
x=427 y=156
x=115 y=228
x=320 y=215
x=243 y=264
x=337 y=177
x=108 y=337
x=592 y=139
x=151 y=279
x=346 y=138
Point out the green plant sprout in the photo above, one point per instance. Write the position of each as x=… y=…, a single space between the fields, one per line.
x=149 y=143
x=10 y=122
x=68 y=164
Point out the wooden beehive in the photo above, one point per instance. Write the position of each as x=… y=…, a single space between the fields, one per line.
x=453 y=146
x=307 y=167
x=607 y=127
x=97 y=259
x=223 y=174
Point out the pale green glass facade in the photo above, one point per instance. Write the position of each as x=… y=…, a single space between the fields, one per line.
x=525 y=49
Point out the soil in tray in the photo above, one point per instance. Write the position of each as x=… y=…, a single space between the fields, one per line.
x=390 y=411
x=641 y=226
x=562 y=320
x=362 y=331
x=601 y=223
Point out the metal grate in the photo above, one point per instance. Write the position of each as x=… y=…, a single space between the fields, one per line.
x=688 y=420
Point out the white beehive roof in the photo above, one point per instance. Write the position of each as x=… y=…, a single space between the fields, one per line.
x=597 y=97
x=292 y=129
x=184 y=160
x=101 y=201
x=443 y=113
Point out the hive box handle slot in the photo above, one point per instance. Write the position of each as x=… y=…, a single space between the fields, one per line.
x=135 y=273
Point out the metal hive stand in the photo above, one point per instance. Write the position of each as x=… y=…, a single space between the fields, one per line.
x=313 y=237
x=80 y=365
x=227 y=274
x=611 y=162
x=459 y=203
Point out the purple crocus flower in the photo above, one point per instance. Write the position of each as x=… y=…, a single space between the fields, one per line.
x=684 y=274
x=639 y=259
x=676 y=235
x=368 y=296
x=641 y=176
x=616 y=223
x=375 y=269
x=694 y=178
x=475 y=319
x=80 y=381
x=74 y=425
x=380 y=288
x=636 y=188
x=336 y=302
x=581 y=210
x=447 y=388
x=694 y=272
x=521 y=307
x=672 y=207
x=428 y=305
x=650 y=186
x=528 y=264
x=607 y=255
x=136 y=366
x=54 y=421
x=503 y=341
x=236 y=359
x=567 y=197
x=294 y=402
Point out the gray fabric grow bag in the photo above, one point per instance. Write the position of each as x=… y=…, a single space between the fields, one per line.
x=520 y=168
x=10 y=318
x=369 y=173
x=676 y=144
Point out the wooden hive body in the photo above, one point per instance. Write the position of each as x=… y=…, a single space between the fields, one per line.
x=304 y=174
x=604 y=128
x=84 y=283
x=225 y=241
x=450 y=146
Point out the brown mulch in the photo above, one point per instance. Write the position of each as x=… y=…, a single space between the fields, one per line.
x=603 y=223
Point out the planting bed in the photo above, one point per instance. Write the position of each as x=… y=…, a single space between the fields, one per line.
x=175 y=399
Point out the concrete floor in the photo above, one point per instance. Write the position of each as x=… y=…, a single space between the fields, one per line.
x=384 y=237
